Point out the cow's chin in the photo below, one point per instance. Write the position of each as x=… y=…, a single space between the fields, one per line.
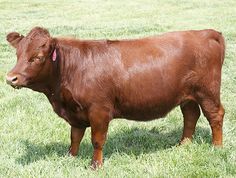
x=17 y=86
x=34 y=85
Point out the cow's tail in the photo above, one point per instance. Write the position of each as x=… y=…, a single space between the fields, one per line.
x=220 y=39
x=222 y=44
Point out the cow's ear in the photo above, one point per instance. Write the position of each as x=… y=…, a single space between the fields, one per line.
x=14 y=38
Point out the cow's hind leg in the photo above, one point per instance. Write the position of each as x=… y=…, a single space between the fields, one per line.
x=214 y=112
x=191 y=113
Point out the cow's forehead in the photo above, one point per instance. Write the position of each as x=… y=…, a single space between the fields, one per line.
x=36 y=37
x=30 y=45
x=25 y=47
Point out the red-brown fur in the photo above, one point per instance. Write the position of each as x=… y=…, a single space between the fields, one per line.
x=91 y=82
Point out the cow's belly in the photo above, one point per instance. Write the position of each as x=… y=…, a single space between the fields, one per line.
x=142 y=110
x=144 y=114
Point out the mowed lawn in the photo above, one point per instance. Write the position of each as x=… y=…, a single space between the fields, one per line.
x=34 y=141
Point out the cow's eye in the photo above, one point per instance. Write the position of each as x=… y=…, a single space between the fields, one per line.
x=34 y=59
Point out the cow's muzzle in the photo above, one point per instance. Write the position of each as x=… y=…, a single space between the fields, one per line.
x=13 y=81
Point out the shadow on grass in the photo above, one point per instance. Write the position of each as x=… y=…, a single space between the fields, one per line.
x=134 y=141
x=34 y=152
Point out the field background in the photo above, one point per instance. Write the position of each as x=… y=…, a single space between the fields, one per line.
x=34 y=141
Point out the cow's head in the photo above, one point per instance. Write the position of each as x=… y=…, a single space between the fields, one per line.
x=34 y=55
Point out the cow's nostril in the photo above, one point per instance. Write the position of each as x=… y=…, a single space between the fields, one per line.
x=14 y=79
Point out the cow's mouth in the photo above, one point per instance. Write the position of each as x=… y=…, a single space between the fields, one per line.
x=16 y=87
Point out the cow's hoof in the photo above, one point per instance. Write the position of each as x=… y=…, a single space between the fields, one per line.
x=96 y=165
x=71 y=153
x=185 y=141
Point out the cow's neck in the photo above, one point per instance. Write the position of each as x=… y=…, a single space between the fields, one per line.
x=65 y=69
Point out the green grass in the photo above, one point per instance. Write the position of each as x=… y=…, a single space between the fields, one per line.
x=34 y=141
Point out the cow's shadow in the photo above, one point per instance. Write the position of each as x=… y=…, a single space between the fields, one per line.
x=133 y=141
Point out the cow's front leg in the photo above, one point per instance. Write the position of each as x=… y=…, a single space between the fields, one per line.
x=76 y=137
x=99 y=121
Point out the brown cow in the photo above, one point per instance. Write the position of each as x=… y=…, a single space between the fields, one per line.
x=89 y=82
